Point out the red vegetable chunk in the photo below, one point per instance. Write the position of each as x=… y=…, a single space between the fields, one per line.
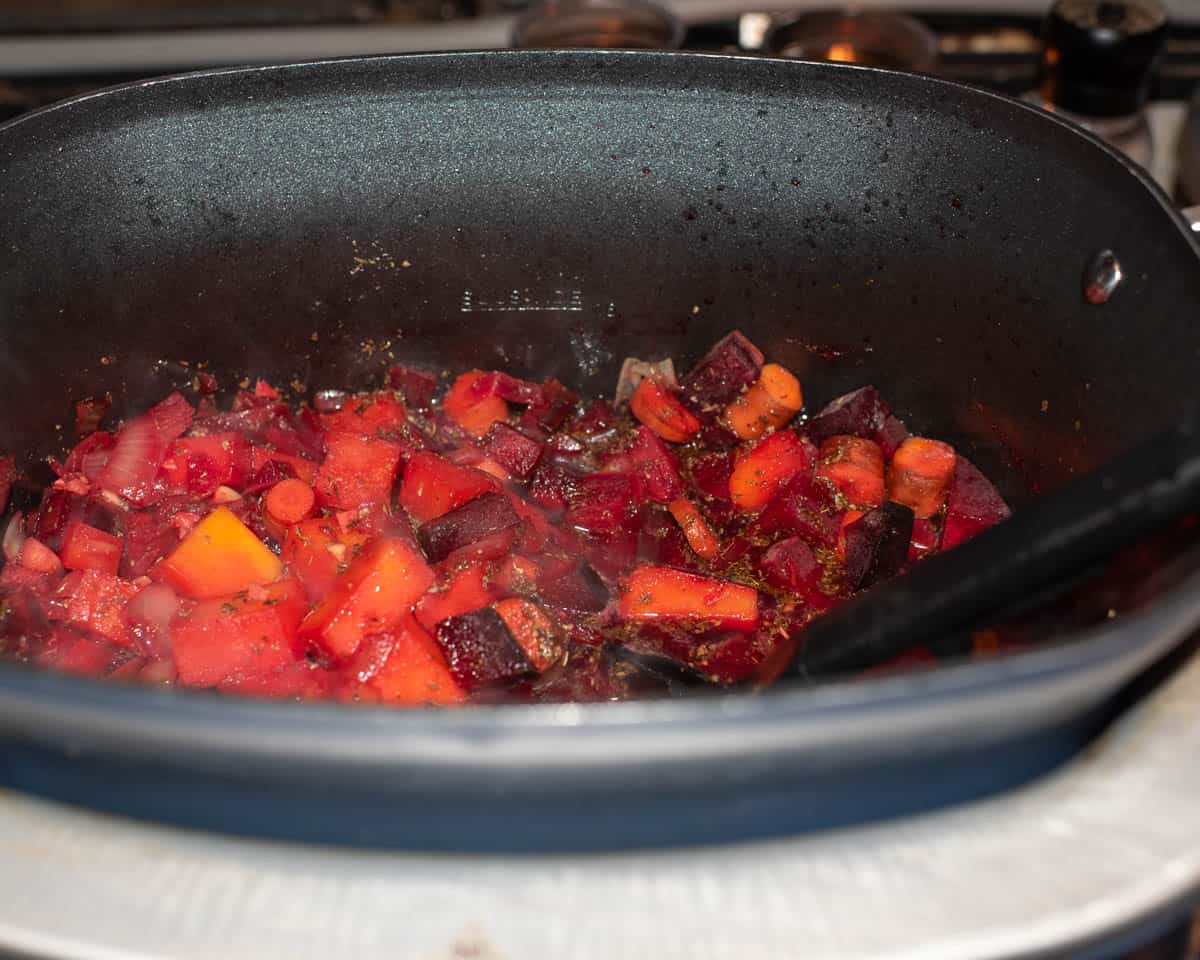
x=222 y=639
x=861 y=413
x=418 y=386
x=86 y=548
x=579 y=589
x=604 y=503
x=533 y=630
x=433 y=486
x=790 y=565
x=480 y=649
x=656 y=407
x=375 y=593
x=877 y=544
x=510 y=448
x=357 y=471
x=652 y=461
x=769 y=466
x=461 y=591
x=920 y=475
x=853 y=467
x=661 y=593
x=95 y=601
x=414 y=671
x=973 y=505
x=482 y=517
x=721 y=374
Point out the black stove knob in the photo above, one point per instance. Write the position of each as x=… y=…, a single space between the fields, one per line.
x=1099 y=56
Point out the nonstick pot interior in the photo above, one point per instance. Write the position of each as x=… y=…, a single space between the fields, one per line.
x=552 y=213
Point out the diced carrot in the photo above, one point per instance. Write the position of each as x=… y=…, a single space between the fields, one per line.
x=475 y=414
x=39 y=558
x=533 y=629
x=656 y=407
x=768 y=403
x=86 y=548
x=849 y=517
x=219 y=557
x=854 y=466
x=663 y=593
x=920 y=476
x=377 y=590
x=415 y=671
x=433 y=486
x=462 y=590
x=769 y=466
x=238 y=637
x=699 y=537
x=290 y=501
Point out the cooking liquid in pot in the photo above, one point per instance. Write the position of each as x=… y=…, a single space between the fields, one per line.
x=509 y=541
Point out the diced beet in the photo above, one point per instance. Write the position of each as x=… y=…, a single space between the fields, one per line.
x=580 y=589
x=714 y=435
x=510 y=448
x=551 y=407
x=737 y=657
x=482 y=517
x=480 y=651
x=891 y=435
x=661 y=541
x=205 y=383
x=859 y=414
x=720 y=375
x=599 y=417
x=790 y=565
x=877 y=544
x=496 y=383
x=603 y=503
x=972 y=506
x=650 y=460
x=710 y=475
x=731 y=552
x=418 y=386
x=551 y=486
x=654 y=462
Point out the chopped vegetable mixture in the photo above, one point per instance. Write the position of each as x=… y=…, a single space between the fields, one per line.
x=508 y=541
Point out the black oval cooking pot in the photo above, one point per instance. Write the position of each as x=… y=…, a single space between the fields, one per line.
x=552 y=213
